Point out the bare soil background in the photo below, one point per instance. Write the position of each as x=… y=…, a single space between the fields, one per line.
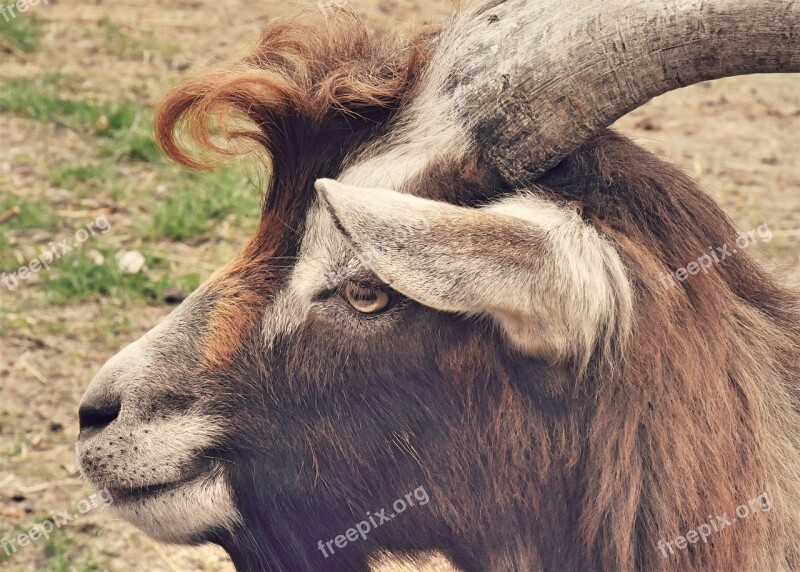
x=738 y=137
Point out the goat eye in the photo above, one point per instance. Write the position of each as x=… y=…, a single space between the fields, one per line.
x=365 y=299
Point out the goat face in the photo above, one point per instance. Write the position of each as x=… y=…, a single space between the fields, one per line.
x=330 y=394
x=285 y=401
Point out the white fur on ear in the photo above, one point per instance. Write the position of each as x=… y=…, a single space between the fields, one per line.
x=552 y=282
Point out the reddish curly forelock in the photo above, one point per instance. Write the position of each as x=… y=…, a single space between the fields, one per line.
x=310 y=91
x=302 y=68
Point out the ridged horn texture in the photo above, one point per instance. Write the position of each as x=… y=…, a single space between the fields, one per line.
x=532 y=80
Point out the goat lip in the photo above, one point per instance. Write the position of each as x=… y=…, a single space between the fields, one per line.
x=132 y=494
x=136 y=494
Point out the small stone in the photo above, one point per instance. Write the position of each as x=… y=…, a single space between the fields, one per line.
x=130 y=261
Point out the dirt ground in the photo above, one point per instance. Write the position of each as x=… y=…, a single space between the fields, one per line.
x=738 y=137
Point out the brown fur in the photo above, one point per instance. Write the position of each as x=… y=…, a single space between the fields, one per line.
x=698 y=416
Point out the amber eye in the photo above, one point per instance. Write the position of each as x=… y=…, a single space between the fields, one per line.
x=365 y=299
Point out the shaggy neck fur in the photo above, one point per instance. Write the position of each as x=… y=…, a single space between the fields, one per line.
x=699 y=415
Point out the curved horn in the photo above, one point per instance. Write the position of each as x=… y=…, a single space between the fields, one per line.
x=551 y=73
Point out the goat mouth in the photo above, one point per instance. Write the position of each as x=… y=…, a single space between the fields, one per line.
x=184 y=511
x=136 y=494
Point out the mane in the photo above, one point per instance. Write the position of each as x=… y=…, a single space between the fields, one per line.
x=701 y=411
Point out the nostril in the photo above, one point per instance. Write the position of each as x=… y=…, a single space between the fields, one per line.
x=97 y=415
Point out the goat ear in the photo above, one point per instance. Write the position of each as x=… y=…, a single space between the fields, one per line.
x=549 y=279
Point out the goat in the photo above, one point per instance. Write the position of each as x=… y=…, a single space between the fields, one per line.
x=504 y=342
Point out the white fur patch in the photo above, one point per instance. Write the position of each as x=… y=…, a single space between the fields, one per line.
x=136 y=454
x=425 y=131
x=132 y=453
x=183 y=513
x=322 y=250
x=131 y=456
x=580 y=293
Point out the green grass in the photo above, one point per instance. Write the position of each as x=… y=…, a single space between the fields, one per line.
x=94 y=178
x=117 y=40
x=128 y=135
x=112 y=324
x=19 y=34
x=121 y=127
x=43 y=103
x=135 y=144
x=9 y=534
x=14 y=447
x=116 y=133
x=77 y=277
x=78 y=175
x=200 y=200
x=125 y=42
x=61 y=552
x=7 y=260
x=32 y=215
